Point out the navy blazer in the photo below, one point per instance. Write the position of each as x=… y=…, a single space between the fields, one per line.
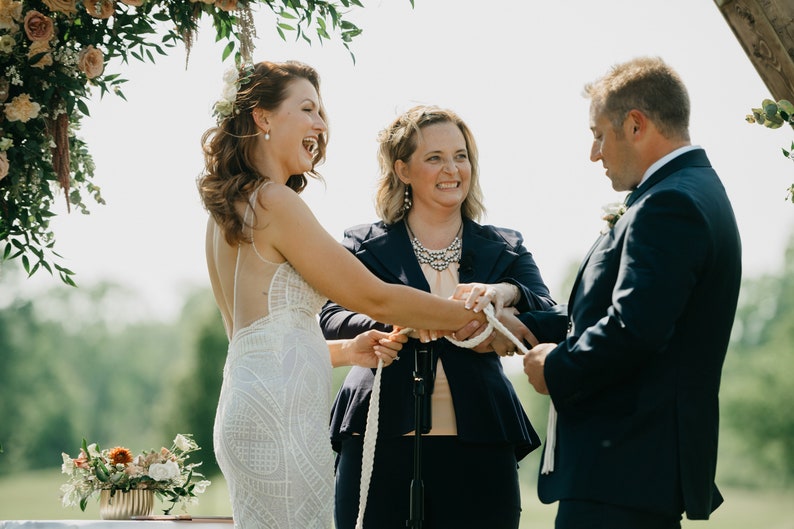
x=487 y=408
x=636 y=380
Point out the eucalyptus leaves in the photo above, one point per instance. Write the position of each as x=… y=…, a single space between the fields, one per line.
x=774 y=115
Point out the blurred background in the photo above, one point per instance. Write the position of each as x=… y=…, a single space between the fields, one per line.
x=134 y=354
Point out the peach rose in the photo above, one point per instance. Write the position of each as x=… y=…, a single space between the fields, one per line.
x=10 y=14
x=99 y=8
x=21 y=108
x=133 y=3
x=226 y=5
x=91 y=62
x=67 y=7
x=3 y=165
x=38 y=47
x=38 y=27
x=202 y=1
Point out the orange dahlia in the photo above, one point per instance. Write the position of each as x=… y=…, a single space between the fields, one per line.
x=120 y=456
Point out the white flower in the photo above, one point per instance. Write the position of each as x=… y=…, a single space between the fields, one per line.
x=68 y=465
x=612 y=212
x=201 y=486
x=184 y=443
x=230 y=76
x=163 y=471
x=92 y=451
x=7 y=43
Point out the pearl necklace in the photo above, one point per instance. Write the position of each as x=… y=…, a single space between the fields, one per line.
x=439 y=260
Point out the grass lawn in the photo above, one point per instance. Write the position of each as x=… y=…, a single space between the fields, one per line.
x=35 y=496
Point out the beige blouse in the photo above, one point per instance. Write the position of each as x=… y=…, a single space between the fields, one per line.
x=443 y=410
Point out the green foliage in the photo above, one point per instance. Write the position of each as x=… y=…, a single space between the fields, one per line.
x=46 y=80
x=774 y=115
x=195 y=399
x=757 y=392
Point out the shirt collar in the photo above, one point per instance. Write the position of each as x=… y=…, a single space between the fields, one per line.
x=664 y=159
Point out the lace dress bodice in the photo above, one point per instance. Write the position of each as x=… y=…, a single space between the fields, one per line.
x=270 y=436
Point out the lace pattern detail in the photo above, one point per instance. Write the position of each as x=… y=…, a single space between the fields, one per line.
x=270 y=435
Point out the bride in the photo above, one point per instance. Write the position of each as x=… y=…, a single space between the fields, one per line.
x=272 y=266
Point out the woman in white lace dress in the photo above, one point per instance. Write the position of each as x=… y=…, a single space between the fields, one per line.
x=272 y=266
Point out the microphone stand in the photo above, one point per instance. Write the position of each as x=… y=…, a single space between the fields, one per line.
x=423 y=388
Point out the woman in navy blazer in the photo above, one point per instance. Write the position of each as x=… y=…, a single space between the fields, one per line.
x=429 y=194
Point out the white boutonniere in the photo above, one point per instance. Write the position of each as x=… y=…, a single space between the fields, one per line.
x=612 y=213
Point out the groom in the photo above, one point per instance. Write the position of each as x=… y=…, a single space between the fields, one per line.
x=635 y=379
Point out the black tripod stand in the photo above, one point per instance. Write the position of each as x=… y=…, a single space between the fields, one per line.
x=424 y=376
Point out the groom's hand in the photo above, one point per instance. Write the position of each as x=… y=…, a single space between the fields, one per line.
x=533 y=366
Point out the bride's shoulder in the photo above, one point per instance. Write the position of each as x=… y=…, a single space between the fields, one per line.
x=272 y=195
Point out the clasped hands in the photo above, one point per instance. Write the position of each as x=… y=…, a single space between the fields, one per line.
x=477 y=296
x=374 y=345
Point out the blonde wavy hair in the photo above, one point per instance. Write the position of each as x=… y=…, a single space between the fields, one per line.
x=229 y=175
x=399 y=140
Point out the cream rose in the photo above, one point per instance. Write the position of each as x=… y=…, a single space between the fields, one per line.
x=38 y=27
x=21 y=108
x=3 y=165
x=133 y=3
x=38 y=47
x=91 y=62
x=99 y=8
x=67 y=7
x=163 y=471
x=10 y=14
x=7 y=44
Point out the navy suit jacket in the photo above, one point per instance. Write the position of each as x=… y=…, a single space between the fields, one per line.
x=487 y=408
x=636 y=380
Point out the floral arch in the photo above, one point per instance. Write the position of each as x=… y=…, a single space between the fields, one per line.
x=54 y=52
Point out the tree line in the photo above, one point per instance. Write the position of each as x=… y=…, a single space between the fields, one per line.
x=70 y=370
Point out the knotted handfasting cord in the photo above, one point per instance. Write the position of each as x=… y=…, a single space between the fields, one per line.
x=371 y=433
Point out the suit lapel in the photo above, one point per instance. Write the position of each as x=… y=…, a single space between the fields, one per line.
x=693 y=158
x=483 y=260
x=696 y=157
x=389 y=254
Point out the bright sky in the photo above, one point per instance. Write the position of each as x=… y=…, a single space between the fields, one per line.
x=515 y=74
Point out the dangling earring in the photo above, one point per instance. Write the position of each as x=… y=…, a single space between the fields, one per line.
x=407 y=202
x=267 y=136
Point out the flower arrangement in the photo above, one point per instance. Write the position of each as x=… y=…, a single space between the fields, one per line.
x=165 y=472
x=233 y=79
x=774 y=115
x=53 y=53
x=612 y=213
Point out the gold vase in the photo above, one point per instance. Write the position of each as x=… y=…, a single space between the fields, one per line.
x=125 y=505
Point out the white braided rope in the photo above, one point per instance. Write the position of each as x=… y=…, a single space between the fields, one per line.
x=371 y=433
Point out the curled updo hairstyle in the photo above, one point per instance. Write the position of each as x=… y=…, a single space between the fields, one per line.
x=230 y=175
x=399 y=140
x=646 y=84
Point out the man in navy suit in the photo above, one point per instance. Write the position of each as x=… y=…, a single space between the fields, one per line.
x=634 y=380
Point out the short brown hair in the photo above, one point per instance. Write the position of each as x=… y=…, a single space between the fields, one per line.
x=646 y=84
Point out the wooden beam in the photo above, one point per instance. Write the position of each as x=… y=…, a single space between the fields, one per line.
x=765 y=29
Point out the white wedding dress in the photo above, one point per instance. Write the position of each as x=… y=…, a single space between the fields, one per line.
x=271 y=427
